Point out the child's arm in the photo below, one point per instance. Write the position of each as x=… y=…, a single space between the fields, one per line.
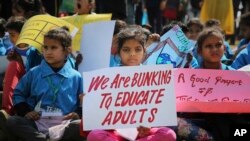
x=21 y=93
x=71 y=115
x=152 y=38
x=77 y=114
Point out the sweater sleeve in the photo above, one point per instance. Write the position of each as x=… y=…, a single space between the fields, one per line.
x=13 y=74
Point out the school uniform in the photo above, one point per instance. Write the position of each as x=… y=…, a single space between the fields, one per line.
x=42 y=85
x=228 y=51
x=38 y=84
x=242 y=42
x=242 y=59
x=5 y=45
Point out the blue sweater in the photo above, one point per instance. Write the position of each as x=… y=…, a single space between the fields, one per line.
x=53 y=89
x=243 y=58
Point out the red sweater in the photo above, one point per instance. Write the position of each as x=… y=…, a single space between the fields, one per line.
x=13 y=74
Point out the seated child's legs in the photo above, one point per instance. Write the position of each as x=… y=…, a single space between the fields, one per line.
x=103 y=135
x=71 y=132
x=160 y=134
x=3 y=117
x=23 y=128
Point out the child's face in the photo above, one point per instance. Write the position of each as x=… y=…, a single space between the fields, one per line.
x=82 y=7
x=245 y=31
x=131 y=53
x=194 y=31
x=13 y=36
x=17 y=12
x=212 y=49
x=54 y=53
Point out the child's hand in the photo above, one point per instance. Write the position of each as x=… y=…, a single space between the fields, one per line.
x=152 y=38
x=81 y=96
x=143 y=131
x=72 y=115
x=79 y=58
x=33 y=115
x=14 y=56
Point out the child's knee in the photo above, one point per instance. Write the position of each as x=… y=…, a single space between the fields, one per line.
x=95 y=135
x=166 y=133
x=98 y=135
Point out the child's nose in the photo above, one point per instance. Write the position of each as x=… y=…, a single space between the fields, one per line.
x=132 y=53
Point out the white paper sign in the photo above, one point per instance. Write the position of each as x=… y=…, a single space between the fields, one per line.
x=129 y=97
x=172 y=49
x=96 y=45
x=128 y=133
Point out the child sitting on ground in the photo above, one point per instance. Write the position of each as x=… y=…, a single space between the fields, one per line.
x=131 y=42
x=48 y=95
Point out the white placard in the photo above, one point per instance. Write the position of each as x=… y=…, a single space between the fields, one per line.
x=129 y=97
x=96 y=45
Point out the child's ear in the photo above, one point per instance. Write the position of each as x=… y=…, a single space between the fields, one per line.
x=69 y=49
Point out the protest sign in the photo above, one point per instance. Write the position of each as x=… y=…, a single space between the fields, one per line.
x=96 y=45
x=217 y=91
x=128 y=97
x=34 y=29
x=80 y=20
x=172 y=49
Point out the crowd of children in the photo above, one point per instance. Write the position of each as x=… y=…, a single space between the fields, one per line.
x=36 y=84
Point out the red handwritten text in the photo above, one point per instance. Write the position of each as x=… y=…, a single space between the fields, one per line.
x=120 y=80
x=151 y=78
x=129 y=116
x=139 y=98
x=227 y=82
x=106 y=100
x=98 y=82
x=205 y=91
x=196 y=79
x=184 y=98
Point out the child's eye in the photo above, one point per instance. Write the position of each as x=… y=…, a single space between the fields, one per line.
x=138 y=50
x=218 y=45
x=208 y=46
x=126 y=50
x=45 y=47
x=53 y=47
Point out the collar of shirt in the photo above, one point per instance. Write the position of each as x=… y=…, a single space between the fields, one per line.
x=47 y=70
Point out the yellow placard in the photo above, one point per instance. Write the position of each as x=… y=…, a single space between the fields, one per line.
x=80 y=20
x=34 y=29
x=221 y=10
